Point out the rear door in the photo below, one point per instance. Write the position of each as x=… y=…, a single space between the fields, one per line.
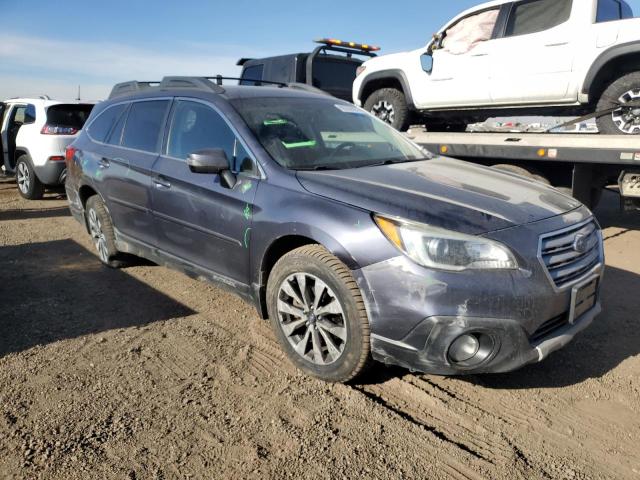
x=533 y=60
x=199 y=219
x=125 y=166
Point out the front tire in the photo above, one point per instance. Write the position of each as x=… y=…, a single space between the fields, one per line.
x=29 y=186
x=102 y=235
x=390 y=106
x=624 y=120
x=318 y=315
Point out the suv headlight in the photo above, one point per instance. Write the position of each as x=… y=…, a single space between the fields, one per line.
x=445 y=250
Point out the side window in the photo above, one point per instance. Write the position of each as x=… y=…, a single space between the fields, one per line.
x=19 y=115
x=143 y=126
x=30 y=114
x=608 y=11
x=252 y=74
x=627 y=11
x=197 y=127
x=537 y=16
x=101 y=126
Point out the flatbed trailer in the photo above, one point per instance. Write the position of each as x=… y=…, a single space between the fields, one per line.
x=583 y=163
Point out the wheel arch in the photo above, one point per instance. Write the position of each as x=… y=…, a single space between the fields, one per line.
x=386 y=79
x=20 y=151
x=609 y=66
x=284 y=244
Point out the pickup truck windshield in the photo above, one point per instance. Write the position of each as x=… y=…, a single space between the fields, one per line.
x=316 y=134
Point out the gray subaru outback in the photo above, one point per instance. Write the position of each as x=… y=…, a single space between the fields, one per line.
x=356 y=243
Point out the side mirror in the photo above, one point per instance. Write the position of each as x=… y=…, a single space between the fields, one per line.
x=213 y=160
x=427 y=62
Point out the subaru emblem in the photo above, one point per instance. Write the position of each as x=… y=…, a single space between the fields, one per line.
x=580 y=243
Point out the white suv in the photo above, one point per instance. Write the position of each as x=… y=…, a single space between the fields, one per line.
x=503 y=58
x=34 y=135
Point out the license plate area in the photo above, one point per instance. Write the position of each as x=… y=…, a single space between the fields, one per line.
x=584 y=298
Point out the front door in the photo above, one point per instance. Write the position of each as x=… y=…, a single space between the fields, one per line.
x=458 y=74
x=199 y=218
x=533 y=60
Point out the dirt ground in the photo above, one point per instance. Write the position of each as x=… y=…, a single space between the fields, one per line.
x=144 y=373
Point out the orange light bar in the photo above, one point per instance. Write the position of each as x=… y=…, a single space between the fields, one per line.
x=339 y=43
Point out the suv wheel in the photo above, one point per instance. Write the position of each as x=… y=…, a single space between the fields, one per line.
x=625 y=120
x=101 y=230
x=318 y=315
x=390 y=106
x=29 y=186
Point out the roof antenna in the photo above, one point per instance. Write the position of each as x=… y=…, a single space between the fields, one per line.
x=78 y=99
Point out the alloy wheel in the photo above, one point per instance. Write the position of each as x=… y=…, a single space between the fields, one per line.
x=312 y=319
x=627 y=119
x=24 y=178
x=98 y=236
x=384 y=111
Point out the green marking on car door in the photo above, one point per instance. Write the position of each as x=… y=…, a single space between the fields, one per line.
x=246 y=237
x=247 y=212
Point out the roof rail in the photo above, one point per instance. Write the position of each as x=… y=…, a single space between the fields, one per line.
x=44 y=97
x=210 y=84
x=127 y=88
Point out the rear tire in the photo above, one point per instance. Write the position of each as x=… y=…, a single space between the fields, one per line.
x=102 y=235
x=29 y=186
x=318 y=315
x=623 y=121
x=390 y=106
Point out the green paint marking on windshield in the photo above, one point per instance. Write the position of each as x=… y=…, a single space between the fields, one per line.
x=279 y=121
x=310 y=143
x=246 y=237
x=247 y=212
x=246 y=186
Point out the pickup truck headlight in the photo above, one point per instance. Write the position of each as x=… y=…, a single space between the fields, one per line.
x=445 y=250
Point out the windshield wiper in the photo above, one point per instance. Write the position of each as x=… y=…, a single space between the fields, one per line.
x=316 y=168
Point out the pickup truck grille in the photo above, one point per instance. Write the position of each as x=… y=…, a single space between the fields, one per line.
x=571 y=253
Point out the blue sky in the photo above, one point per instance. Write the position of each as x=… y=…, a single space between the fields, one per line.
x=51 y=47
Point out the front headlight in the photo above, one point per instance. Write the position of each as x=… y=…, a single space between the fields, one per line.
x=445 y=250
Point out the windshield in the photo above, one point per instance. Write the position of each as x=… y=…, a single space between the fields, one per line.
x=314 y=134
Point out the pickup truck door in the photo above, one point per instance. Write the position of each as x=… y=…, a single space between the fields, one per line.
x=533 y=60
x=455 y=80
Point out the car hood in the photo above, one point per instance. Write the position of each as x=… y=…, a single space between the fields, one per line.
x=442 y=192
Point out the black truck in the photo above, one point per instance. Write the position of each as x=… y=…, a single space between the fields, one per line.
x=331 y=67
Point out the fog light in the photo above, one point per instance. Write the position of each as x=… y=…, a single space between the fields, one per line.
x=464 y=348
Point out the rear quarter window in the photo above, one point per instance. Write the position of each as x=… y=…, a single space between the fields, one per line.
x=103 y=123
x=330 y=74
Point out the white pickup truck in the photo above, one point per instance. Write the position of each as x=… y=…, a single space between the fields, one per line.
x=503 y=58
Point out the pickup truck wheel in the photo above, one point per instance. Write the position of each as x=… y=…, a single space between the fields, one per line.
x=390 y=106
x=29 y=186
x=626 y=119
x=102 y=235
x=318 y=315
x=523 y=172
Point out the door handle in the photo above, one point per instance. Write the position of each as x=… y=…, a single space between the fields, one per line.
x=558 y=44
x=479 y=54
x=104 y=163
x=161 y=183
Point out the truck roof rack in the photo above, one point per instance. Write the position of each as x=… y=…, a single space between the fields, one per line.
x=211 y=84
x=349 y=47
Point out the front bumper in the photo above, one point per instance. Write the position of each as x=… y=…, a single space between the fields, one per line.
x=512 y=349
x=416 y=313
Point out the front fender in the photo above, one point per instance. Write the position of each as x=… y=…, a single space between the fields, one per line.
x=606 y=57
